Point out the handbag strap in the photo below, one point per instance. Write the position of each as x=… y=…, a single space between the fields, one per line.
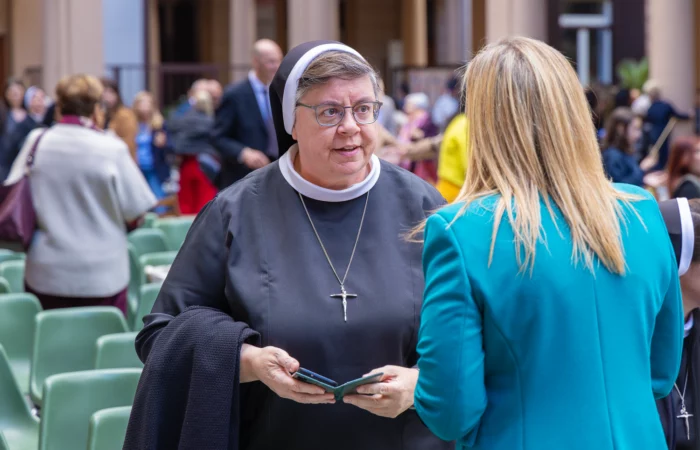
x=32 y=152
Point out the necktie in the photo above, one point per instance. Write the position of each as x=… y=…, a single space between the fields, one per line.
x=271 y=149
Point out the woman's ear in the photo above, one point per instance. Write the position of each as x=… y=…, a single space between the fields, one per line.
x=294 y=132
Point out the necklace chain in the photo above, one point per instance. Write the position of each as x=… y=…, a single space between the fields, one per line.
x=318 y=237
x=685 y=386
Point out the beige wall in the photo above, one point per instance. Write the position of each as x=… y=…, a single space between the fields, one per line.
x=310 y=20
x=243 y=21
x=516 y=18
x=414 y=32
x=4 y=17
x=72 y=39
x=27 y=35
x=671 y=50
x=370 y=27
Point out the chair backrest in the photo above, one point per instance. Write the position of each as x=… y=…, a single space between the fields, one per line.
x=148 y=240
x=155 y=259
x=9 y=255
x=108 y=428
x=5 y=286
x=135 y=275
x=175 y=230
x=14 y=410
x=17 y=324
x=72 y=398
x=13 y=272
x=149 y=294
x=149 y=220
x=3 y=443
x=117 y=351
x=65 y=341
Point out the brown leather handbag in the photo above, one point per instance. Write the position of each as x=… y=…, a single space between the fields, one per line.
x=17 y=214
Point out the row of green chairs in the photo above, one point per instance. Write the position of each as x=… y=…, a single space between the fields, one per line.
x=65 y=339
x=172 y=230
x=18 y=314
x=20 y=427
x=66 y=336
x=89 y=407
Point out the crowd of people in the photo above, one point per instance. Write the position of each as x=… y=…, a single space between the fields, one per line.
x=473 y=256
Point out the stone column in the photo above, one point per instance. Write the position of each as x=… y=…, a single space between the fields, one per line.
x=516 y=18
x=414 y=32
x=72 y=39
x=243 y=30
x=671 y=50
x=26 y=36
x=154 y=58
x=454 y=36
x=308 y=20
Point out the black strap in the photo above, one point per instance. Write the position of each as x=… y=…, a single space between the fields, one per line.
x=32 y=152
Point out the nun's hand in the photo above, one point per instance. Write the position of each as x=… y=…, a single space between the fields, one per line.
x=391 y=396
x=273 y=367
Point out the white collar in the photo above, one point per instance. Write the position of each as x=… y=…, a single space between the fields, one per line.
x=688 y=326
x=307 y=189
x=255 y=81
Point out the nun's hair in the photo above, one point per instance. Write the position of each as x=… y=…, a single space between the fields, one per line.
x=335 y=64
x=695 y=214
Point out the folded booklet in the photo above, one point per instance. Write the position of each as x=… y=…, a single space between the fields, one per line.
x=332 y=387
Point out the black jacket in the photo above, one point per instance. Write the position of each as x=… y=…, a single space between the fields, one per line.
x=188 y=395
x=238 y=124
x=665 y=405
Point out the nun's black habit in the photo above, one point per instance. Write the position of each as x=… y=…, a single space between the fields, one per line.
x=685 y=396
x=252 y=253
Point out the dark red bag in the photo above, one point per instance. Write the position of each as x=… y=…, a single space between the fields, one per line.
x=17 y=215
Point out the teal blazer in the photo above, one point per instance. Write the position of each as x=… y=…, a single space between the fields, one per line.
x=559 y=358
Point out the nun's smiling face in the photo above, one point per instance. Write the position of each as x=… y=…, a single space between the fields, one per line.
x=335 y=157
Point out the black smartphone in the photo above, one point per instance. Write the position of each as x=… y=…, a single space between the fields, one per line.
x=314 y=376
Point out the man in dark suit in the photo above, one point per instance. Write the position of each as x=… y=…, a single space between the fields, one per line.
x=243 y=133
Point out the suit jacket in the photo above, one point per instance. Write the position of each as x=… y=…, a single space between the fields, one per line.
x=238 y=124
x=665 y=405
x=553 y=358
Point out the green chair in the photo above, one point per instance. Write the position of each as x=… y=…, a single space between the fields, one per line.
x=19 y=427
x=149 y=220
x=117 y=351
x=135 y=276
x=65 y=341
x=155 y=259
x=3 y=443
x=148 y=240
x=72 y=398
x=108 y=428
x=13 y=272
x=17 y=324
x=9 y=255
x=5 y=286
x=175 y=230
x=149 y=294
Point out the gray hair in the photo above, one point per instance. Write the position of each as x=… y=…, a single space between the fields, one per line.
x=335 y=64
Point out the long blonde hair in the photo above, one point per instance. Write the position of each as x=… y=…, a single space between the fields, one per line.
x=156 y=121
x=532 y=138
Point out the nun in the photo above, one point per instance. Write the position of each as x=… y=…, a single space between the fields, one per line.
x=679 y=412
x=302 y=264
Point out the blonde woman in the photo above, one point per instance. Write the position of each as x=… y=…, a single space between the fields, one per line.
x=552 y=313
x=151 y=143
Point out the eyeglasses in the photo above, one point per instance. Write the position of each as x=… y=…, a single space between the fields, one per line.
x=331 y=114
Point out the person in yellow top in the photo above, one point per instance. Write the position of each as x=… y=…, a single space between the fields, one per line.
x=452 y=165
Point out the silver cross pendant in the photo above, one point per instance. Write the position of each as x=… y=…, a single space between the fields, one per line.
x=684 y=415
x=344 y=296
